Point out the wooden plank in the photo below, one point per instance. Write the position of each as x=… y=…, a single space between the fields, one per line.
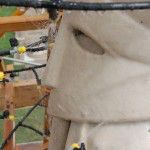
x=25 y=94
x=18 y=12
x=23 y=23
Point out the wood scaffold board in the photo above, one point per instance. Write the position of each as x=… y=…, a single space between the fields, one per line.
x=23 y=23
x=25 y=94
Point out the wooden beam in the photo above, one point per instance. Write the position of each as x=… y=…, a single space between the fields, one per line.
x=9 y=105
x=25 y=94
x=23 y=23
x=18 y=12
x=9 y=124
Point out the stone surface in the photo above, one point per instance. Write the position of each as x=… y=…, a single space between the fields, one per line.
x=99 y=69
x=110 y=84
x=126 y=136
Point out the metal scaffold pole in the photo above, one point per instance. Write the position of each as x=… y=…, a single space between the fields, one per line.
x=70 y=5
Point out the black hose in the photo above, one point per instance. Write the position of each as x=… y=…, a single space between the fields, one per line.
x=33 y=129
x=43 y=39
x=21 y=121
x=4 y=52
x=36 y=49
x=25 y=69
x=68 y=5
x=5 y=114
x=36 y=77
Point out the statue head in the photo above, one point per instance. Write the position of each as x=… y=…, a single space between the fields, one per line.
x=99 y=67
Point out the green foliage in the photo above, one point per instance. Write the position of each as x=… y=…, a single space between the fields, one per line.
x=6 y=11
x=4 y=40
x=4 y=43
x=36 y=120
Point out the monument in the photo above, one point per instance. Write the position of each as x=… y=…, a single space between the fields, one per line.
x=99 y=70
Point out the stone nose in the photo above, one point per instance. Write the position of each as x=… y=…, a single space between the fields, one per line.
x=55 y=62
x=53 y=68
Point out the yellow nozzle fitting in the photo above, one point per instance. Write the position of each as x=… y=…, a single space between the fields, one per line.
x=12 y=117
x=75 y=145
x=22 y=49
x=2 y=76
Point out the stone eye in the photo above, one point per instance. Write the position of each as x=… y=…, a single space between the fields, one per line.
x=87 y=43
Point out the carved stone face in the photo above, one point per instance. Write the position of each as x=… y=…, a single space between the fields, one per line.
x=99 y=67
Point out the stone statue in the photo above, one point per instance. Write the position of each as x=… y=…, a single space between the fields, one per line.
x=100 y=72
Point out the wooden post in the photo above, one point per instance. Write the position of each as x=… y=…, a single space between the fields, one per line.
x=8 y=124
x=9 y=105
x=46 y=122
x=1 y=65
